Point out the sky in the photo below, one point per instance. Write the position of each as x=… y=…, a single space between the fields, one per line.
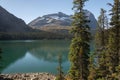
x=31 y=9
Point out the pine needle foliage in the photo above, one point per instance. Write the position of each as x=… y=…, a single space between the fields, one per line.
x=80 y=45
x=60 y=75
x=114 y=38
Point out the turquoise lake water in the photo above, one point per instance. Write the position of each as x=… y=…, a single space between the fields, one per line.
x=26 y=56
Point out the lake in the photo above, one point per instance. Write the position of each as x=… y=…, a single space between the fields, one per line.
x=26 y=56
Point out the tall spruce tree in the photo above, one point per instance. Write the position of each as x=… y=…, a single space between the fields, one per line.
x=92 y=67
x=80 y=46
x=60 y=75
x=101 y=41
x=102 y=25
x=113 y=52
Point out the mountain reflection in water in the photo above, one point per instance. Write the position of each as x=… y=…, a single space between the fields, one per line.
x=33 y=56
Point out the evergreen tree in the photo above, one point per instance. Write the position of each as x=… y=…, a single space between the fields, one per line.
x=101 y=32
x=92 y=67
x=60 y=72
x=80 y=46
x=101 y=23
x=113 y=52
x=101 y=41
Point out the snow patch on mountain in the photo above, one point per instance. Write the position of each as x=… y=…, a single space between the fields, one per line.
x=55 y=17
x=50 y=20
x=60 y=19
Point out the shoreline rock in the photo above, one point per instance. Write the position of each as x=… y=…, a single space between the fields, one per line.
x=27 y=76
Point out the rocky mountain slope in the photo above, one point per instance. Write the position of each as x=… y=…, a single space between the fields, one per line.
x=57 y=21
x=10 y=23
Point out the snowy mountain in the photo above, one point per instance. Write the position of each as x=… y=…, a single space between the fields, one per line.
x=59 y=21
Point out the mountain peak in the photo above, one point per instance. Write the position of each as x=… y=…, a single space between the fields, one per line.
x=59 y=14
x=59 y=19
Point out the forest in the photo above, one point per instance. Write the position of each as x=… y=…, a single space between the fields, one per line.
x=33 y=35
x=104 y=62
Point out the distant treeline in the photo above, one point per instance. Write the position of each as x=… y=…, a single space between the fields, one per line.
x=32 y=35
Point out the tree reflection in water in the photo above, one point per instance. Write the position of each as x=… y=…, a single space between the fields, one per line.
x=0 y=58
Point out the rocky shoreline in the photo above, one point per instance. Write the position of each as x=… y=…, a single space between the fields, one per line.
x=27 y=76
